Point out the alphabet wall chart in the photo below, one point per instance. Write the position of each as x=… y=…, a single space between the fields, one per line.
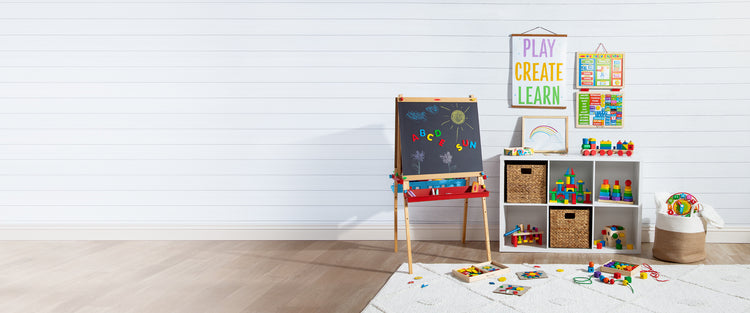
x=538 y=70
x=599 y=70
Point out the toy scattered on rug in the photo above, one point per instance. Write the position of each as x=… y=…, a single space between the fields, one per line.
x=567 y=191
x=617 y=277
x=529 y=235
x=623 y=268
x=415 y=278
x=480 y=271
x=616 y=194
x=647 y=269
x=531 y=275
x=682 y=204
x=614 y=237
x=518 y=151
x=513 y=290
x=606 y=147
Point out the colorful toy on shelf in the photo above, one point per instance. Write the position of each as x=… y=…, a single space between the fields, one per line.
x=682 y=204
x=529 y=236
x=615 y=193
x=567 y=191
x=614 y=237
x=518 y=151
x=605 y=147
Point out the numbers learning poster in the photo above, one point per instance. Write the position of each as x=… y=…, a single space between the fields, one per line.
x=598 y=109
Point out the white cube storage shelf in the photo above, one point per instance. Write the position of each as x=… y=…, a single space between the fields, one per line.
x=593 y=171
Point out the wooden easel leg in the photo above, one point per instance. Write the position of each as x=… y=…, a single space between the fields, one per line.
x=408 y=239
x=486 y=230
x=466 y=211
x=395 y=217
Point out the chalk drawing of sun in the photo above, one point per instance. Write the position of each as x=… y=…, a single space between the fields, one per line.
x=456 y=118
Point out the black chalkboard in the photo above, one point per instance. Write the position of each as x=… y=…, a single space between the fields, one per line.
x=439 y=137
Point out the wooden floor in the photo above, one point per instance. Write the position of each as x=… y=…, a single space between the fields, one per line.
x=238 y=276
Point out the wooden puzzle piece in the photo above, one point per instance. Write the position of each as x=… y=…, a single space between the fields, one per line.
x=531 y=275
x=512 y=290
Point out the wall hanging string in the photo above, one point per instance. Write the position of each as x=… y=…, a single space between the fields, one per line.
x=601 y=45
x=538 y=27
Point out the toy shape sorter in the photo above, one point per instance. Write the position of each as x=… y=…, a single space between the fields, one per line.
x=480 y=271
x=614 y=236
x=615 y=193
x=529 y=235
x=605 y=147
x=567 y=191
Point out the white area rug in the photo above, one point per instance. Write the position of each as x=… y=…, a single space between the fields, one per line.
x=691 y=288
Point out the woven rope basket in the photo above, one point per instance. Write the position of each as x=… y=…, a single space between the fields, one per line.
x=526 y=183
x=570 y=228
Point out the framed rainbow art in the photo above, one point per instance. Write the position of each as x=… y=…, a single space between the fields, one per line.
x=545 y=134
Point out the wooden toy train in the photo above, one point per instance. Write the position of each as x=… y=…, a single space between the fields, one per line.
x=605 y=147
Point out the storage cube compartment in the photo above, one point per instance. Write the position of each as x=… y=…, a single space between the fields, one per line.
x=625 y=216
x=577 y=171
x=614 y=171
x=526 y=182
x=481 y=271
x=570 y=227
x=534 y=216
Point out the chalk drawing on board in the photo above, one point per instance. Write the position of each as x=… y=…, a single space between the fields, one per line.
x=456 y=118
x=422 y=116
x=418 y=157
x=448 y=160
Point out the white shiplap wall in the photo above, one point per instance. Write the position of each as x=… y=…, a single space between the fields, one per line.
x=279 y=115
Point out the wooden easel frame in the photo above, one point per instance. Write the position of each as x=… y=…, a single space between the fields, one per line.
x=399 y=179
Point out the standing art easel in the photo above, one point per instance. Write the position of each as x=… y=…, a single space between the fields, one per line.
x=438 y=157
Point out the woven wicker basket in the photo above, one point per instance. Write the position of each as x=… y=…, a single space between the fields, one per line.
x=570 y=228
x=525 y=183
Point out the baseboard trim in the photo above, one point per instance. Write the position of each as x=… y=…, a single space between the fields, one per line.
x=108 y=231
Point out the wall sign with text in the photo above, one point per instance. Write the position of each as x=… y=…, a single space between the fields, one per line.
x=538 y=70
